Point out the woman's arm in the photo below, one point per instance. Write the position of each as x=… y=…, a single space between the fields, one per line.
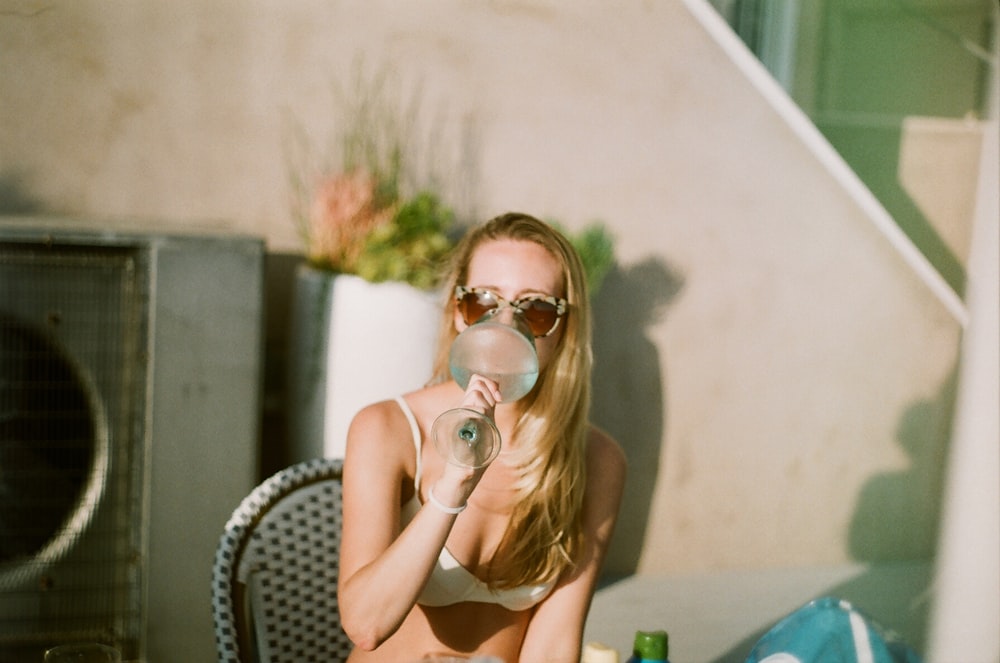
x=381 y=570
x=384 y=569
x=555 y=632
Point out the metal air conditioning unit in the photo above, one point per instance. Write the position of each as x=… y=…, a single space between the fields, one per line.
x=130 y=371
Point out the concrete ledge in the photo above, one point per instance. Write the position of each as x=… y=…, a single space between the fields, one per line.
x=717 y=617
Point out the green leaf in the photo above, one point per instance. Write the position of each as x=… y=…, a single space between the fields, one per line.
x=596 y=247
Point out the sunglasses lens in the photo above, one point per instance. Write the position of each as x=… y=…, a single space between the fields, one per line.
x=474 y=305
x=540 y=315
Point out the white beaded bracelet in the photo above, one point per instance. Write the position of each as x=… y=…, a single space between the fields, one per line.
x=442 y=506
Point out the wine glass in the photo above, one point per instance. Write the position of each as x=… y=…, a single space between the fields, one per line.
x=84 y=652
x=500 y=347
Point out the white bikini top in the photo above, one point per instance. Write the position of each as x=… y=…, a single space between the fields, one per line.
x=450 y=582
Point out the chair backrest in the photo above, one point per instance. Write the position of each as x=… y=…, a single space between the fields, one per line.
x=274 y=581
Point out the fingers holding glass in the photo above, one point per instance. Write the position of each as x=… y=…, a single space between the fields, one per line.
x=482 y=395
x=494 y=360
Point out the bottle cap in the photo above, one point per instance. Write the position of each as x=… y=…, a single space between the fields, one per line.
x=598 y=652
x=651 y=645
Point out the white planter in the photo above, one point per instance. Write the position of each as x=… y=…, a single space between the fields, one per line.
x=352 y=343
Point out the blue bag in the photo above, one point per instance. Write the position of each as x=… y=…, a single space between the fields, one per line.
x=830 y=630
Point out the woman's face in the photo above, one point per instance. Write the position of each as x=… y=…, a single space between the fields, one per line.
x=514 y=269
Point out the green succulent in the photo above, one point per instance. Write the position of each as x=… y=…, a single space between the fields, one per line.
x=413 y=247
x=596 y=247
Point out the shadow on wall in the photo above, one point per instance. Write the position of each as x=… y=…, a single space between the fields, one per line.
x=897 y=513
x=894 y=529
x=279 y=293
x=628 y=390
x=14 y=195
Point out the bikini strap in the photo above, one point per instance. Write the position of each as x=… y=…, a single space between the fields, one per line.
x=415 y=431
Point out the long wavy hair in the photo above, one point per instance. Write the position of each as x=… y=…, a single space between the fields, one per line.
x=545 y=533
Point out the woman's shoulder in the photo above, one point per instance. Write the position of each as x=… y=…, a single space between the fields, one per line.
x=381 y=432
x=379 y=417
x=600 y=442
x=605 y=454
x=385 y=427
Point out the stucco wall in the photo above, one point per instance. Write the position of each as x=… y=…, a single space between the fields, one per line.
x=778 y=374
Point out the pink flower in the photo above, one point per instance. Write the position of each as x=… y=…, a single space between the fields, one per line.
x=343 y=214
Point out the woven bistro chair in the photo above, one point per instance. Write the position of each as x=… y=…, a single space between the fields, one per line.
x=274 y=580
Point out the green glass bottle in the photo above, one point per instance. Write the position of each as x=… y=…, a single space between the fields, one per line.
x=649 y=647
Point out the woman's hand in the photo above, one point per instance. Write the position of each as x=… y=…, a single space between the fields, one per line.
x=482 y=395
x=457 y=482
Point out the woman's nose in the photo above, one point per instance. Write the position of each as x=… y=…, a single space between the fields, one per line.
x=505 y=315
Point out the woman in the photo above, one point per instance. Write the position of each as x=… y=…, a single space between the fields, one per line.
x=501 y=561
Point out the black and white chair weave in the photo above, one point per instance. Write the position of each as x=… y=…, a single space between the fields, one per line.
x=274 y=581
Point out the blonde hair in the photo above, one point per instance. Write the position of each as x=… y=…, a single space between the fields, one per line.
x=545 y=533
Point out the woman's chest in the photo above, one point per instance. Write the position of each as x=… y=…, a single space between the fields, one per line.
x=478 y=535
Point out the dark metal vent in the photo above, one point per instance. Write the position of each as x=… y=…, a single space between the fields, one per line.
x=71 y=447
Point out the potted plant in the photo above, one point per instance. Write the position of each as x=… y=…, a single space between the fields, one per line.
x=366 y=306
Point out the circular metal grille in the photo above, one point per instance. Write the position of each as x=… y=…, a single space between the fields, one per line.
x=54 y=453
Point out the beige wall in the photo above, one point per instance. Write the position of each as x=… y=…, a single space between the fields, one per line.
x=777 y=371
